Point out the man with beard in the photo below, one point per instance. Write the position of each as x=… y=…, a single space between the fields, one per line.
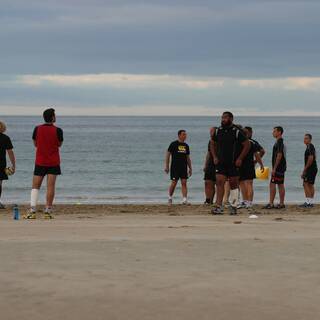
x=229 y=147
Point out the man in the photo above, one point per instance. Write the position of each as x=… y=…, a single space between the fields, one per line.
x=279 y=167
x=180 y=168
x=47 y=139
x=309 y=172
x=247 y=170
x=229 y=147
x=5 y=148
x=209 y=174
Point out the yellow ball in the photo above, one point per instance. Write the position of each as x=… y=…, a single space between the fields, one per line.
x=262 y=175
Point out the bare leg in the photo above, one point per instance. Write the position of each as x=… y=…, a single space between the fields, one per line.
x=209 y=190
x=184 y=188
x=221 y=180
x=282 y=193
x=226 y=191
x=172 y=187
x=243 y=189
x=51 y=187
x=250 y=190
x=37 y=182
x=273 y=191
x=312 y=191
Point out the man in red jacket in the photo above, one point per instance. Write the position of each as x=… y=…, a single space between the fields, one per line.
x=47 y=139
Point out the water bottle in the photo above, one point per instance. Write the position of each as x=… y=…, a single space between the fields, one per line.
x=16 y=214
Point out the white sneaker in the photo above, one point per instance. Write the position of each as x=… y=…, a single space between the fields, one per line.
x=184 y=202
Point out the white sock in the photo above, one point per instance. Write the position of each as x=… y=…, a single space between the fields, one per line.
x=170 y=197
x=308 y=200
x=311 y=200
x=34 y=198
x=184 y=199
x=234 y=197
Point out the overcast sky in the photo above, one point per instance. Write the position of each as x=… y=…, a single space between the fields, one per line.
x=165 y=57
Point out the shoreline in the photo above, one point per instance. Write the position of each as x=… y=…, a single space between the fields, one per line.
x=156 y=209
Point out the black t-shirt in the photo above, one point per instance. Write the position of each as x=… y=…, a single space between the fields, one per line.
x=279 y=147
x=5 y=144
x=179 y=152
x=254 y=148
x=311 y=151
x=229 y=142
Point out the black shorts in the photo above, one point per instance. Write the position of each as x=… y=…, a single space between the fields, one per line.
x=310 y=177
x=42 y=171
x=278 y=178
x=177 y=173
x=210 y=174
x=247 y=173
x=227 y=170
x=3 y=175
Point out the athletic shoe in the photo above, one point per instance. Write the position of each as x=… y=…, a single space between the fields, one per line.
x=48 y=214
x=268 y=206
x=217 y=211
x=280 y=206
x=242 y=205
x=304 y=205
x=31 y=215
x=233 y=211
x=2 y=206
x=170 y=202
x=184 y=202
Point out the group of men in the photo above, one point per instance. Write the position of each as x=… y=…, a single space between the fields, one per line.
x=230 y=167
x=47 y=139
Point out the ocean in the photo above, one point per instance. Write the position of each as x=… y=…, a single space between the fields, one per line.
x=121 y=159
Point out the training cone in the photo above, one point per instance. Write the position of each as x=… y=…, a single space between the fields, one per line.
x=262 y=175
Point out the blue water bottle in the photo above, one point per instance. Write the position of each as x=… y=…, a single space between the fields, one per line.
x=16 y=214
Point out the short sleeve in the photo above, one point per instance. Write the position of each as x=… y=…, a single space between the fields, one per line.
x=60 y=134
x=241 y=137
x=8 y=145
x=280 y=146
x=34 y=134
x=171 y=148
x=188 y=150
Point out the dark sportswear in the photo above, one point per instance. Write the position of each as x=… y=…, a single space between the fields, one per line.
x=247 y=170
x=279 y=147
x=210 y=172
x=312 y=171
x=179 y=160
x=43 y=171
x=5 y=144
x=229 y=142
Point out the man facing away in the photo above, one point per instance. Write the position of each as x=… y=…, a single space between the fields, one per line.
x=209 y=173
x=279 y=167
x=180 y=168
x=229 y=146
x=309 y=172
x=47 y=139
x=247 y=170
x=5 y=148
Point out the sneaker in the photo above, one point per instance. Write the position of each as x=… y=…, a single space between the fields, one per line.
x=269 y=206
x=233 y=211
x=48 y=214
x=304 y=205
x=170 y=202
x=217 y=211
x=31 y=215
x=280 y=206
x=2 y=206
x=242 y=205
x=184 y=202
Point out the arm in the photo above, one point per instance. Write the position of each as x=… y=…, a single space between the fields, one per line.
x=12 y=158
x=244 y=152
x=213 y=151
x=262 y=153
x=60 y=137
x=206 y=161
x=278 y=160
x=167 y=162
x=189 y=165
x=259 y=160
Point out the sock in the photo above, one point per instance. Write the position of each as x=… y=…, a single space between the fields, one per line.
x=184 y=199
x=311 y=200
x=308 y=200
x=34 y=198
x=234 y=197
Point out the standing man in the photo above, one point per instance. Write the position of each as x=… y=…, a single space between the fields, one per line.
x=5 y=148
x=209 y=174
x=247 y=170
x=229 y=147
x=279 y=168
x=309 y=172
x=180 y=168
x=47 y=139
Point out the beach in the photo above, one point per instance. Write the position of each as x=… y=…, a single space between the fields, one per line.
x=160 y=262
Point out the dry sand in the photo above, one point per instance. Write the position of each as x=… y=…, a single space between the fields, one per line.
x=155 y=262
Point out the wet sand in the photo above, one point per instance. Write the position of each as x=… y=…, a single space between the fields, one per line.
x=155 y=262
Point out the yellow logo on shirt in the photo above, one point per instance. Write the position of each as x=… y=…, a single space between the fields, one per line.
x=182 y=149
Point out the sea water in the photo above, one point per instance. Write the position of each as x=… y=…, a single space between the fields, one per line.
x=121 y=159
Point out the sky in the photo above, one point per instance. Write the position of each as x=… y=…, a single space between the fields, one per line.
x=160 y=57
